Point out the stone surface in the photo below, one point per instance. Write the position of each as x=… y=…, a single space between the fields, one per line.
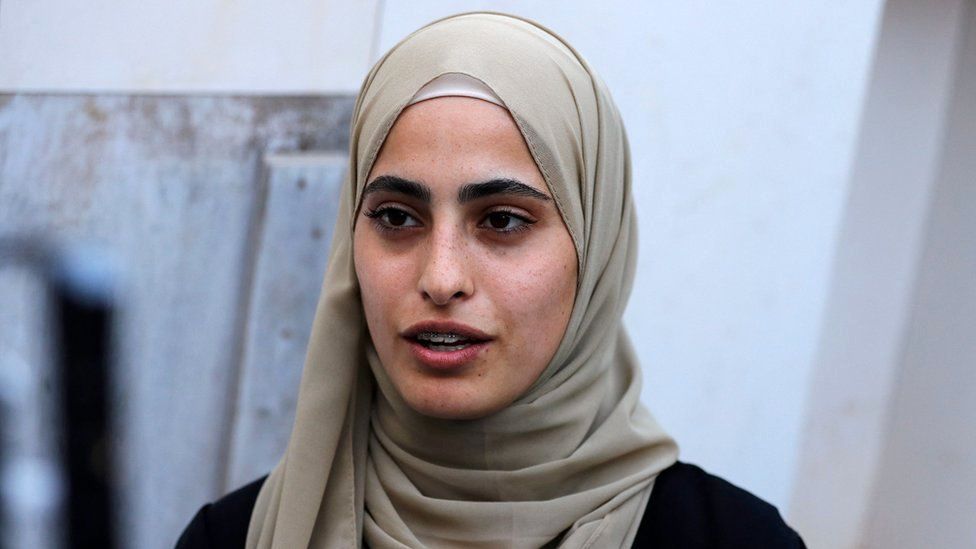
x=175 y=189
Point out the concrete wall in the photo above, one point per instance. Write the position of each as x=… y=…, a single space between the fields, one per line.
x=220 y=212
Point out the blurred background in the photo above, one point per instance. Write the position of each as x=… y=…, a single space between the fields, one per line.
x=805 y=177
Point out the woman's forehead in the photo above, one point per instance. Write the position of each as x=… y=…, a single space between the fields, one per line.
x=457 y=139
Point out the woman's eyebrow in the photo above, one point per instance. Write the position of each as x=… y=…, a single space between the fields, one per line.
x=392 y=183
x=474 y=191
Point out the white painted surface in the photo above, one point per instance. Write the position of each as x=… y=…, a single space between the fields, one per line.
x=192 y=46
x=925 y=495
x=875 y=266
x=742 y=118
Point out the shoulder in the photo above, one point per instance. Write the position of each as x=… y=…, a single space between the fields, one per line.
x=691 y=508
x=688 y=508
x=223 y=523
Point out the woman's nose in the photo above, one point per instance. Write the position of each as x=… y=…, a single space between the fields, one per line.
x=446 y=275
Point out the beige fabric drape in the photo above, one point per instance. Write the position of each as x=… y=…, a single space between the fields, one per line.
x=574 y=459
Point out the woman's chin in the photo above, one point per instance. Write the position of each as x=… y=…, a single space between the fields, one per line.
x=453 y=399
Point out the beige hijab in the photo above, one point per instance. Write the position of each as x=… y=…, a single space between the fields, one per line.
x=572 y=462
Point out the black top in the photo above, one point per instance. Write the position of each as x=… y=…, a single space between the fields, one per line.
x=688 y=509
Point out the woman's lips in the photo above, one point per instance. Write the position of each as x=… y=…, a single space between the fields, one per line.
x=445 y=355
x=446 y=360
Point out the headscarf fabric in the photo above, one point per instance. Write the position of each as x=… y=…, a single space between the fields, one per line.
x=572 y=462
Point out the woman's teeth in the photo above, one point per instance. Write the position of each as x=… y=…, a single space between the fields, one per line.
x=446 y=348
x=442 y=342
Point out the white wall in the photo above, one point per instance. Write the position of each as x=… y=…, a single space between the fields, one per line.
x=742 y=117
x=925 y=493
x=887 y=370
x=175 y=46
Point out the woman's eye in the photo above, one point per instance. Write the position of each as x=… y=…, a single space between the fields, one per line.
x=392 y=218
x=506 y=222
x=397 y=218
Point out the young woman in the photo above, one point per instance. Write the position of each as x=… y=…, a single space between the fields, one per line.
x=468 y=381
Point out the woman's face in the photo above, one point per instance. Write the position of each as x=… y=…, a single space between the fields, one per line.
x=468 y=274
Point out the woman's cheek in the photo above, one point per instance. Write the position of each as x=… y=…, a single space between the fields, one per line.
x=378 y=266
x=544 y=286
x=376 y=272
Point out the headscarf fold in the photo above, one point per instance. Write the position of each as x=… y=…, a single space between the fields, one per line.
x=570 y=463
